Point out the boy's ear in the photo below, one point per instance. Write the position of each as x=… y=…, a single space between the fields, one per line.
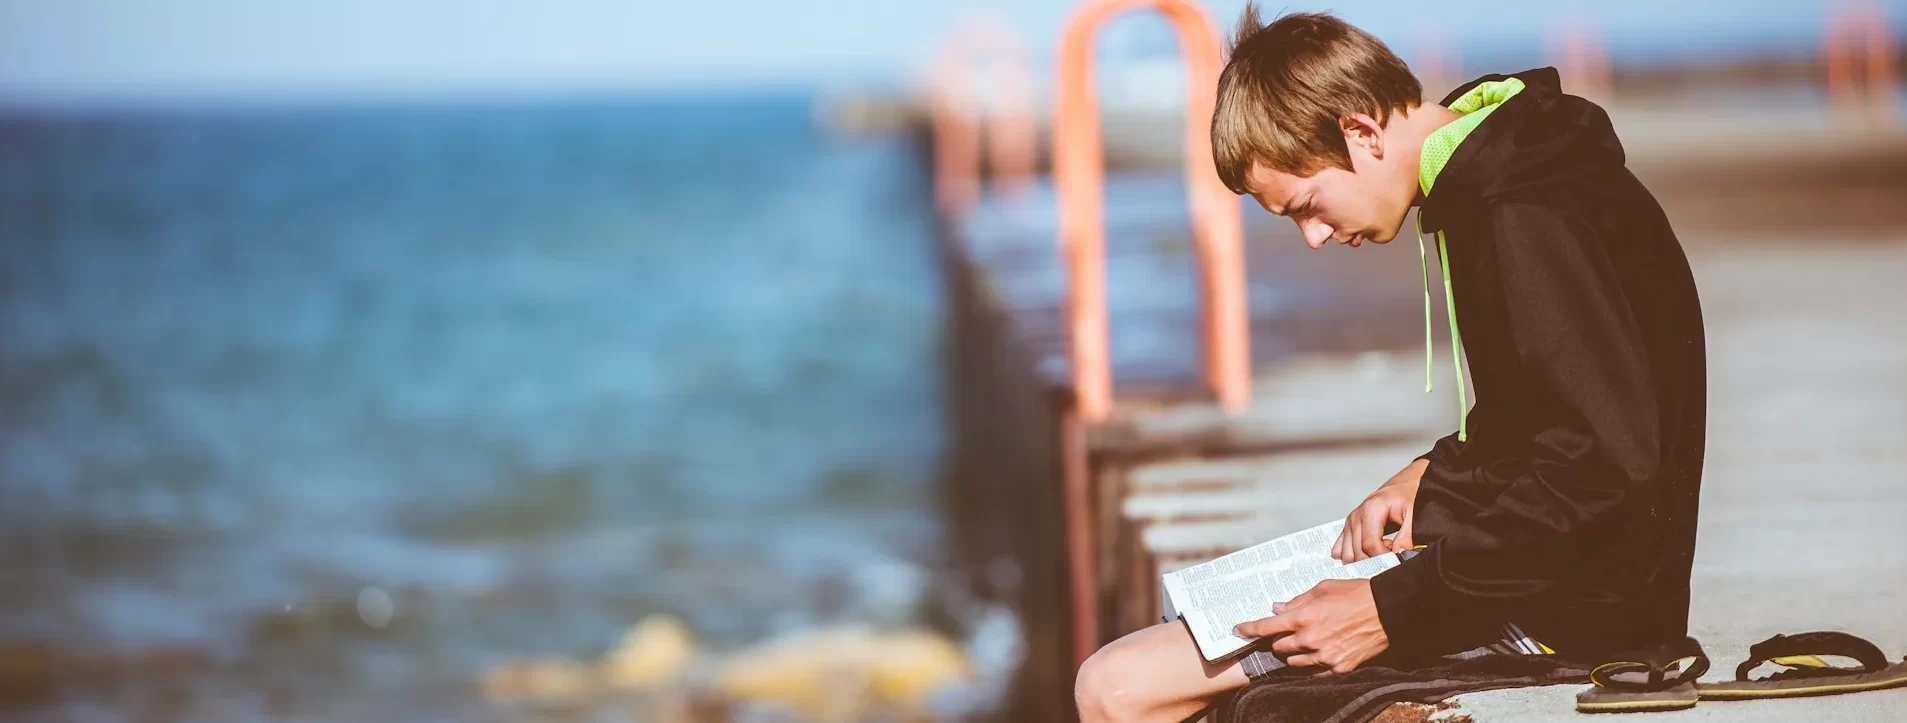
x=1363 y=131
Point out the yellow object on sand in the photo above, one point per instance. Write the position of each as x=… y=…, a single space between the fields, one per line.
x=652 y=654
x=845 y=673
x=546 y=680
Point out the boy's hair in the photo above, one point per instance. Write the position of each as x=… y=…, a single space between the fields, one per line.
x=1287 y=84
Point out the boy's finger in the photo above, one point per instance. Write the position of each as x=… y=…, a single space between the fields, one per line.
x=1302 y=598
x=1287 y=645
x=1403 y=541
x=1371 y=531
x=1348 y=540
x=1274 y=625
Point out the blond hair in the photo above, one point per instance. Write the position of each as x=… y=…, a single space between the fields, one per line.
x=1286 y=86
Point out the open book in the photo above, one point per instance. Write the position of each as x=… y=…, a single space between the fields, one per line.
x=1214 y=596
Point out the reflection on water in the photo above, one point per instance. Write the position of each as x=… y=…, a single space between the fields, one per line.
x=320 y=413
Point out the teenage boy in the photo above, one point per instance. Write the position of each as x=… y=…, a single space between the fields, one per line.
x=1565 y=502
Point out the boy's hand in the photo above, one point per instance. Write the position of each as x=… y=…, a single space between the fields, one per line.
x=1363 y=534
x=1334 y=626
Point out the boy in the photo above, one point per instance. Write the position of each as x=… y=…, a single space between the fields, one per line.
x=1566 y=500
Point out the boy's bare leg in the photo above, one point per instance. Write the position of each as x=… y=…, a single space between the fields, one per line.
x=1155 y=674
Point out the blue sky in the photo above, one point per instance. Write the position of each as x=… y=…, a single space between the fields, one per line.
x=181 y=48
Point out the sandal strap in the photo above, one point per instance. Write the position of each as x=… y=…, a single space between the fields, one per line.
x=1654 y=661
x=1800 y=651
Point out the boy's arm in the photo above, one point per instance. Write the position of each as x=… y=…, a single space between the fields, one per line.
x=1594 y=443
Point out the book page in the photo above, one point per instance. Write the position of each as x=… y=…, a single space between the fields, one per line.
x=1214 y=596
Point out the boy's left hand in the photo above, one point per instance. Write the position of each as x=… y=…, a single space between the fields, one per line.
x=1333 y=625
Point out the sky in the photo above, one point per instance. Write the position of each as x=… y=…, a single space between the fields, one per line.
x=142 y=49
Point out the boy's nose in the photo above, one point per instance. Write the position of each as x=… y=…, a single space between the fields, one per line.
x=1316 y=234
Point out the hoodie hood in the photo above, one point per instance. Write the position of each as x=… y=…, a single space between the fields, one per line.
x=1534 y=135
x=1522 y=137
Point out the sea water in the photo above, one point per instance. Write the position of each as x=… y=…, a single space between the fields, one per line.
x=314 y=412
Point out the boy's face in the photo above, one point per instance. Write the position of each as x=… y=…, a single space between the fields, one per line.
x=1367 y=203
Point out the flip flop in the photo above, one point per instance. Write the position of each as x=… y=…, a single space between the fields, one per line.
x=1806 y=673
x=1652 y=679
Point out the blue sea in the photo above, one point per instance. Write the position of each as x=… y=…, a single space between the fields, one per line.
x=527 y=372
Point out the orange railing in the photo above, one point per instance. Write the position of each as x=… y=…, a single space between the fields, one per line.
x=984 y=46
x=1857 y=35
x=1079 y=175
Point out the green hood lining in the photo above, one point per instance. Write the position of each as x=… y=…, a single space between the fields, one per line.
x=1439 y=146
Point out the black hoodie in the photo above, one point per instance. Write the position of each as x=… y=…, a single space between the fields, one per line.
x=1570 y=509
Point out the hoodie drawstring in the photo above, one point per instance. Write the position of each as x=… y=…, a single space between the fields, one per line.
x=1456 y=339
x=1475 y=105
x=1423 y=263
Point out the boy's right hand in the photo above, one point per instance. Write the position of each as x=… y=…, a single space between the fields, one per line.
x=1363 y=534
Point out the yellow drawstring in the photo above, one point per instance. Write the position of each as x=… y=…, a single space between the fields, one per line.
x=1456 y=339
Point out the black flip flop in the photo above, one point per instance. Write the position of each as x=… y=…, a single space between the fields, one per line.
x=1653 y=679
x=1805 y=672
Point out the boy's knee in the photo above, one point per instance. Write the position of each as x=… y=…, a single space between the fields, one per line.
x=1102 y=688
